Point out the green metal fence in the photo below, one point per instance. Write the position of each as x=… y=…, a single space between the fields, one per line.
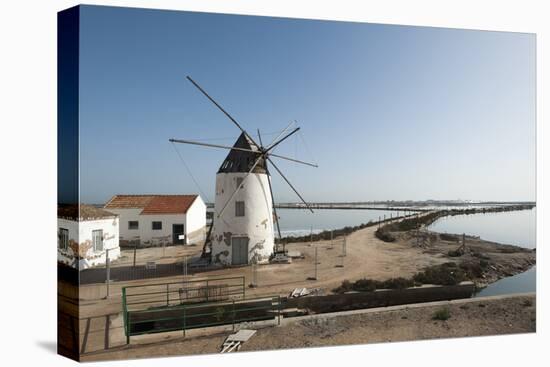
x=156 y=308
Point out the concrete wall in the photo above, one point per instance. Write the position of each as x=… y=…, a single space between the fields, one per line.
x=80 y=252
x=381 y=298
x=257 y=224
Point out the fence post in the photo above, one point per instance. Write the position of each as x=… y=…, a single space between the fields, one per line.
x=278 y=310
x=316 y=261
x=184 y=320
x=129 y=329
x=125 y=315
x=233 y=315
x=167 y=294
x=207 y=290
x=107 y=271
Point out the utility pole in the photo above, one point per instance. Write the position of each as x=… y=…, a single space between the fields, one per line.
x=135 y=250
x=108 y=271
x=344 y=250
x=315 y=277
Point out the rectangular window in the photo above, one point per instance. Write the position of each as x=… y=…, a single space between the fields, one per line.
x=157 y=226
x=97 y=239
x=63 y=238
x=239 y=208
x=239 y=181
x=133 y=224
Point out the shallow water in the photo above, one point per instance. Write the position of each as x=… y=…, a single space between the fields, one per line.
x=520 y=283
x=514 y=228
x=299 y=222
x=517 y=228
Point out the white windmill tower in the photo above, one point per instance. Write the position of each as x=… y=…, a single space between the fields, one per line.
x=244 y=209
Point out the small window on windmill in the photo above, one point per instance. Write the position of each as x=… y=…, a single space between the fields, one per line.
x=239 y=181
x=239 y=208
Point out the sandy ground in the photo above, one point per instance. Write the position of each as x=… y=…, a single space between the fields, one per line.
x=469 y=317
x=101 y=326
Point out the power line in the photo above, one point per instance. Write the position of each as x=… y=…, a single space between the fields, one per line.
x=190 y=174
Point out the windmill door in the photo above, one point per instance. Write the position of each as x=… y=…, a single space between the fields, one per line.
x=239 y=250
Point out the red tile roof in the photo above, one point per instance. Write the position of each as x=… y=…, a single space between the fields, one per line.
x=153 y=204
x=129 y=201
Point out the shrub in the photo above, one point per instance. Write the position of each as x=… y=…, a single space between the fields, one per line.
x=396 y=283
x=483 y=263
x=370 y=285
x=364 y=285
x=442 y=314
x=384 y=235
x=346 y=286
x=444 y=274
x=455 y=253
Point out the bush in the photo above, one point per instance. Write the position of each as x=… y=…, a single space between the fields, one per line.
x=369 y=285
x=444 y=274
x=384 y=235
x=455 y=253
x=442 y=314
x=483 y=263
x=346 y=286
x=396 y=283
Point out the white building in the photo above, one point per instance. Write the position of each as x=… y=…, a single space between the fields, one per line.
x=243 y=232
x=85 y=233
x=154 y=220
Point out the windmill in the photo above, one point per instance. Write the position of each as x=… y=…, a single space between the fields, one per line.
x=242 y=232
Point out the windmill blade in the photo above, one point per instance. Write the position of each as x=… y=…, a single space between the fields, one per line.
x=274 y=209
x=220 y=108
x=213 y=145
x=283 y=132
x=293 y=160
x=289 y=184
x=260 y=138
x=282 y=139
x=239 y=187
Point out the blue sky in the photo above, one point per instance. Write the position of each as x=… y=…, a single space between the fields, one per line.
x=388 y=112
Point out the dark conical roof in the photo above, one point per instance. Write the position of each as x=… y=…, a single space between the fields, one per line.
x=240 y=161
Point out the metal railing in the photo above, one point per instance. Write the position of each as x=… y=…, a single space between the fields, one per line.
x=154 y=308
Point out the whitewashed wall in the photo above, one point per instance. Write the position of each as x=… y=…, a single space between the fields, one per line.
x=80 y=252
x=257 y=224
x=150 y=237
x=195 y=230
x=194 y=224
x=126 y=215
